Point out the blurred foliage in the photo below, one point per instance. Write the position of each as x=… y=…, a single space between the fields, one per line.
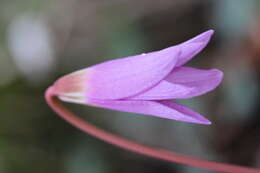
x=61 y=36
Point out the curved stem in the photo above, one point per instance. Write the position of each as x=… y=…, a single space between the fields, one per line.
x=54 y=103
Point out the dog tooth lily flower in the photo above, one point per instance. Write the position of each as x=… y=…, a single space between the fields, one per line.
x=143 y=84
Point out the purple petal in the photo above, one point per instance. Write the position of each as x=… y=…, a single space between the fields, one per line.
x=183 y=82
x=202 y=81
x=187 y=53
x=164 y=90
x=163 y=109
x=125 y=77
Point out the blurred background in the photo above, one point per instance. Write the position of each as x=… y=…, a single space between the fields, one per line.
x=43 y=40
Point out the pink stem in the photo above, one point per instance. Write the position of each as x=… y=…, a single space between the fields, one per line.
x=53 y=102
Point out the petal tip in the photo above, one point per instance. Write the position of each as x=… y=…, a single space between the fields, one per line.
x=209 y=32
x=206 y=122
x=203 y=37
x=198 y=120
x=219 y=76
x=193 y=46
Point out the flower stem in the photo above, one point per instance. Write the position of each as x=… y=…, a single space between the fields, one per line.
x=86 y=127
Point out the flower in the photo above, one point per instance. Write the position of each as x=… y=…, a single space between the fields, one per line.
x=145 y=83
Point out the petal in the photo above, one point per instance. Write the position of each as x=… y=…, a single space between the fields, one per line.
x=125 y=77
x=163 y=109
x=202 y=81
x=187 y=53
x=164 y=90
x=122 y=78
x=183 y=82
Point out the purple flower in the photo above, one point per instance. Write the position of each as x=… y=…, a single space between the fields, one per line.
x=145 y=83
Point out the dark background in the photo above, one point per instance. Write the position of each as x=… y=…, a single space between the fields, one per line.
x=43 y=40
